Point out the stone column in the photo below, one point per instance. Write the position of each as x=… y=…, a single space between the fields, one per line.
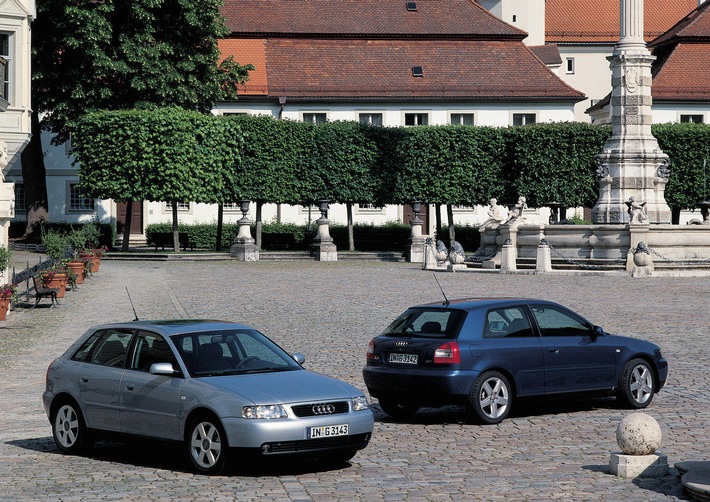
x=323 y=248
x=417 y=239
x=7 y=212
x=244 y=247
x=631 y=163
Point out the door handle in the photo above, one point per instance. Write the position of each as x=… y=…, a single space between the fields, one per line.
x=554 y=351
x=130 y=387
x=84 y=380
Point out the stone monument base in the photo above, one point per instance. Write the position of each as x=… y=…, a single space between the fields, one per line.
x=638 y=466
x=244 y=252
x=325 y=251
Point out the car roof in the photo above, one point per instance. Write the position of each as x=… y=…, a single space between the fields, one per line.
x=176 y=326
x=482 y=302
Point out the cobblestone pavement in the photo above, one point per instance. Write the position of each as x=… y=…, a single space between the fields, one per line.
x=329 y=311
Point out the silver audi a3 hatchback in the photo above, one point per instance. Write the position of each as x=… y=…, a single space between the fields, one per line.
x=222 y=389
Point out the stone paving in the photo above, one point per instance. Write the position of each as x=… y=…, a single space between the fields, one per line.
x=329 y=311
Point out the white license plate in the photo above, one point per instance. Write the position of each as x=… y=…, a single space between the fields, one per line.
x=404 y=358
x=326 y=431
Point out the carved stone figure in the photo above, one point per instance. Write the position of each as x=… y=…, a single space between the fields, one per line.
x=3 y=159
x=637 y=211
x=441 y=251
x=495 y=217
x=456 y=254
x=516 y=214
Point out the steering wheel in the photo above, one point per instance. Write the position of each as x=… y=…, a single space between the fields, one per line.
x=246 y=361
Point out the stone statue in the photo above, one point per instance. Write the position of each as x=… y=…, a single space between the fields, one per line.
x=456 y=254
x=494 y=215
x=3 y=159
x=637 y=211
x=516 y=214
x=441 y=251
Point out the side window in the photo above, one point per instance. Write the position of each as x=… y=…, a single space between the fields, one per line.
x=507 y=322
x=107 y=348
x=555 y=322
x=151 y=348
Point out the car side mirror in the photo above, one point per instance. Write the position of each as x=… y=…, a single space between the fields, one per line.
x=299 y=358
x=597 y=331
x=162 y=369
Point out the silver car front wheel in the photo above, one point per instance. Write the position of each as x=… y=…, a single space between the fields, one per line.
x=637 y=385
x=207 y=446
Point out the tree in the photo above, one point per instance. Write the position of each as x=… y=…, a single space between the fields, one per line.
x=167 y=154
x=121 y=54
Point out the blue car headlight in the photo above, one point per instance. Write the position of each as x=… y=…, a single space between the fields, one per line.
x=360 y=403
x=266 y=411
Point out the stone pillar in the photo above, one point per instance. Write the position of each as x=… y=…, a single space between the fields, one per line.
x=416 y=251
x=7 y=212
x=543 y=262
x=323 y=248
x=631 y=164
x=244 y=247
x=508 y=258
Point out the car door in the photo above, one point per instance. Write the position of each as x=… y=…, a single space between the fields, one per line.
x=98 y=377
x=150 y=403
x=575 y=360
x=509 y=342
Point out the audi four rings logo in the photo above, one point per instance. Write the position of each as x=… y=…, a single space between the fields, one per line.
x=401 y=344
x=323 y=409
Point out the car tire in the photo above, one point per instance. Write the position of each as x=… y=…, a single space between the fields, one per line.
x=637 y=385
x=491 y=398
x=206 y=444
x=398 y=410
x=68 y=428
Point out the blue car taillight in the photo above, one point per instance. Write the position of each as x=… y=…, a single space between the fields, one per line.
x=448 y=353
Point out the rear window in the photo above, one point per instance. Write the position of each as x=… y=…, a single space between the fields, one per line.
x=427 y=323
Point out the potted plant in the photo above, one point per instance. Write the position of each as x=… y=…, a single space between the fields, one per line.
x=79 y=266
x=8 y=294
x=92 y=252
x=5 y=257
x=56 y=276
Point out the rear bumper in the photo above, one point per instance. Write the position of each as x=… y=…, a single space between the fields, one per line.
x=435 y=386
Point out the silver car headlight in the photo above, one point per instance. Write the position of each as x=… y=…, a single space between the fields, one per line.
x=264 y=411
x=360 y=403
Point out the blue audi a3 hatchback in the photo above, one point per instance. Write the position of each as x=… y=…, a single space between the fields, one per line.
x=486 y=353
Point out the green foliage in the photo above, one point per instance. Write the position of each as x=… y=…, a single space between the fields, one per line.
x=121 y=54
x=368 y=237
x=554 y=163
x=688 y=146
x=467 y=235
x=5 y=257
x=449 y=164
x=55 y=244
x=165 y=154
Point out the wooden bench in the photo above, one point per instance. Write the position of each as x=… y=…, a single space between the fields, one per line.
x=43 y=292
x=163 y=239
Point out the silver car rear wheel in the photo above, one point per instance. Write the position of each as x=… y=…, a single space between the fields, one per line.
x=207 y=445
x=68 y=428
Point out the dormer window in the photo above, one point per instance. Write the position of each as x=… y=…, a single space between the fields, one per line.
x=417 y=71
x=412 y=6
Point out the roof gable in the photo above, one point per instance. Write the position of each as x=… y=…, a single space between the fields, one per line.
x=694 y=26
x=582 y=21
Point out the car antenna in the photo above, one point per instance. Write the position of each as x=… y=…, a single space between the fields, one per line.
x=134 y=309
x=446 y=300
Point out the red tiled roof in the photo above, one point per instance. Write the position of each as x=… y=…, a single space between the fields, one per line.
x=694 y=26
x=548 y=54
x=585 y=21
x=249 y=51
x=684 y=74
x=374 y=18
x=355 y=68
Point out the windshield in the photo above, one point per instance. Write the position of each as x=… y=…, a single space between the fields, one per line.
x=427 y=323
x=231 y=352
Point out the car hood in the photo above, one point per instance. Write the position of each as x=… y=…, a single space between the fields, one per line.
x=284 y=387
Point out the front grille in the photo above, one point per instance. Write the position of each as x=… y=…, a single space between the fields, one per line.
x=318 y=409
x=357 y=441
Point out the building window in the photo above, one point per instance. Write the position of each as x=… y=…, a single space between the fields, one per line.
x=181 y=206
x=77 y=202
x=523 y=118
x=231 y=206
x=693 y=119
x=570 y=65
x=462 y=119
x=374 y=119
x=5 y=53
x=20 y=197
x=315 y=118
x=370 y=209
x=416 y=119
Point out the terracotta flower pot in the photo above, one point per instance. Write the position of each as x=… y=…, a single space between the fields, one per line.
x=93 y=258
x=58 y=280
x=4 y=306
x=78 y=267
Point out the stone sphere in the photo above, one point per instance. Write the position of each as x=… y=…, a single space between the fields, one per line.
x=638 y=434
